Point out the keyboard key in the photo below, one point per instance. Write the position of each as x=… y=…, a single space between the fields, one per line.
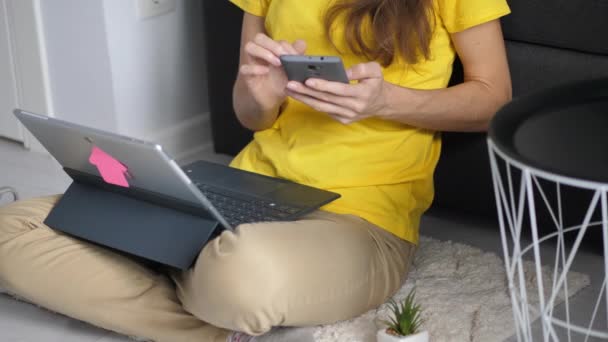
x=237 y=208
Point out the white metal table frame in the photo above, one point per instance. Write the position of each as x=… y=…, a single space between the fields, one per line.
x=511 y=207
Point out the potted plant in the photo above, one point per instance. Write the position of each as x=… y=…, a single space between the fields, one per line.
x=404 y=322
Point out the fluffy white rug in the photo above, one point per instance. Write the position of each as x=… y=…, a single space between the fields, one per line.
x=463 y=292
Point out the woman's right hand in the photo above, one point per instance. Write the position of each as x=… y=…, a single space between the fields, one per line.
x=262 y=72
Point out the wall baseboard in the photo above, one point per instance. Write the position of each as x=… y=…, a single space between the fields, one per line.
x=195 y=153
x=186 y=139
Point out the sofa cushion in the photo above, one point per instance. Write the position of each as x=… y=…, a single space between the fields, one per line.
x=222 y=35
x=463 y=181
x=567 y=24
x=534 y=67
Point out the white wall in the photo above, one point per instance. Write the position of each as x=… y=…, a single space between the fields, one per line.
x=158 y=73
x=143 y=78
x=80 y=74
x=28 y=81
x=9 y=127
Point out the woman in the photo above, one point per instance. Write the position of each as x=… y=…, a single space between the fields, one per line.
x=374 y=141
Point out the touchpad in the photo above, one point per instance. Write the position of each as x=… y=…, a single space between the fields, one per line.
x=251 y=184
x=232 y=179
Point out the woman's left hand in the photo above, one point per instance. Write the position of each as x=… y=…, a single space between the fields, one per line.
x=346 y=103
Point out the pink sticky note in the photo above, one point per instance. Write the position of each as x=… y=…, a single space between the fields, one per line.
x=111 y=170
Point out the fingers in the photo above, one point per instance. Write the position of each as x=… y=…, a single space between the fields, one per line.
x=259 y=52
x=364 y=71
x=300 y=46
x=344 y=120
x=340 y=113
x=265 y=48
x=336 y=88
x=348 y=104
x=270 y=44
x=290 y=50
x=339 y=100
x=254 y=70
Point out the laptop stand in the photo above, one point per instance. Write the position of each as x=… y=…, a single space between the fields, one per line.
x=137 y=227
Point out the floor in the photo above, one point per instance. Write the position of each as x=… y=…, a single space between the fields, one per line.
x=36 y=174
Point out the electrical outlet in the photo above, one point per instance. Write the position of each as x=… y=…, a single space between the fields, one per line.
x=152 y=8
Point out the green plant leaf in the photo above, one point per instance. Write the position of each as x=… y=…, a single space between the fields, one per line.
x=405 y=316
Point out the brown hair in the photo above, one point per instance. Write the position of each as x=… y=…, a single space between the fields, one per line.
x=398 y=27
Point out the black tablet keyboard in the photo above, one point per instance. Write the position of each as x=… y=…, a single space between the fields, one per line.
x=237 y=208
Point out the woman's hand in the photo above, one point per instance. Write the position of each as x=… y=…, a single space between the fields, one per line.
x=262 y=72
x=346 y=103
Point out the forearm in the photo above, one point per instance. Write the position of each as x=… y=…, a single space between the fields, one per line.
x=249 y=112
x=466 y=107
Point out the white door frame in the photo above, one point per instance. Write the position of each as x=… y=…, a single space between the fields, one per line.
x=30 y=63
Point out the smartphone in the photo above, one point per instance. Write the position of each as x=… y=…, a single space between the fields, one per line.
x=300 y=68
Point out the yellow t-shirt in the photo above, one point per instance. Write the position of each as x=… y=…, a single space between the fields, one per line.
x=382 y=169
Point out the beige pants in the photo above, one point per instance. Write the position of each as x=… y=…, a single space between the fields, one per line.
x=318 y=270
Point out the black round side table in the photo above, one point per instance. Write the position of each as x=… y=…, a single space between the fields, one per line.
x=542 y=148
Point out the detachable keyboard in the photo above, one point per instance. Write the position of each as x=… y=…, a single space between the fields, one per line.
x=237 y=208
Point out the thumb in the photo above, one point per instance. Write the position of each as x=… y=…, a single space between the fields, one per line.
x=300 y=46
x=364 y=70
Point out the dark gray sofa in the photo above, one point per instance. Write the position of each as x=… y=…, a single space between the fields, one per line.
x=549 y=42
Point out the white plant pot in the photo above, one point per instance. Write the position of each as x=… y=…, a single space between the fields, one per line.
x=383 y=336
